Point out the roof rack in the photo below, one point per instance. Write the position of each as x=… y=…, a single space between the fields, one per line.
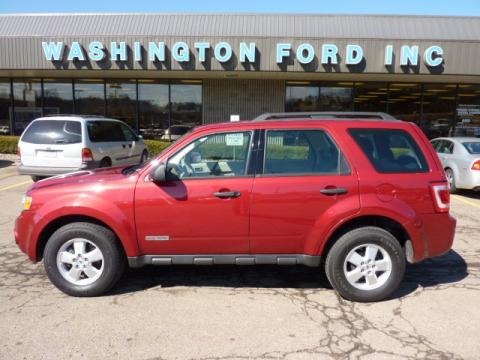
x=327 y=115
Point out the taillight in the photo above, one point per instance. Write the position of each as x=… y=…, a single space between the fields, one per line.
x=441 y=197
x=87 y=155
x=476 y=165
x=19 y=153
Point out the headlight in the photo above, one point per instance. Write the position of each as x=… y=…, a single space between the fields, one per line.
x=26 y=202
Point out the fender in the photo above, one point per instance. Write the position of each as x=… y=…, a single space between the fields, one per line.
x=120 y=220
x=336 y=217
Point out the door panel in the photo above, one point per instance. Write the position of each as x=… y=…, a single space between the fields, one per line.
x=286 y=211
x=194 y=220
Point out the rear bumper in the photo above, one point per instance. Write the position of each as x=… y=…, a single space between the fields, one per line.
x=52 y=171
x=436 y=233
x=470 y=181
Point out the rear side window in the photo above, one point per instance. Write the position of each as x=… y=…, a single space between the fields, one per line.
x=472 y=147
x=53 y=132
x=302 y=152
x=105 y=131
x=391 y=151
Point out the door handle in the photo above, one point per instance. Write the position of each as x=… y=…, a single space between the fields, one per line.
x=129 y=145
x=334 y=191
x=123 y=145
x=227 y=194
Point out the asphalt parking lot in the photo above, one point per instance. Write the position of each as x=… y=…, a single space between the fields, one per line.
x=240 y=312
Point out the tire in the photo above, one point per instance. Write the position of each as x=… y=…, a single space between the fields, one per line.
x=341 y=258
x=75 y=276
x=451 y=180
x=105 y=163
x=144 y=156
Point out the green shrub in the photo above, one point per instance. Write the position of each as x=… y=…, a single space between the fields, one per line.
x=8 y=144
x=155 y=147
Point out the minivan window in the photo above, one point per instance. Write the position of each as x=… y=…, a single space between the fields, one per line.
x=302 y=152
x=128 y=134
x=105 y=131
x=53 y=132
x=391 y=151
x=215 y=155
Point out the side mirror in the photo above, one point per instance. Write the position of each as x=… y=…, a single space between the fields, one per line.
x=139 y=137
x=159 y=174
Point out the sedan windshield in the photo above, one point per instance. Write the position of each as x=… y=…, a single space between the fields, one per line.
x=473 y=147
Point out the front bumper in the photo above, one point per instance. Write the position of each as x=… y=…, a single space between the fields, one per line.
x=52 y=171
x=23 y=232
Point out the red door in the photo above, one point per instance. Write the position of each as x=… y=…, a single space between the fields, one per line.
x=189 y=217
x=206 y=209
x=305 y=185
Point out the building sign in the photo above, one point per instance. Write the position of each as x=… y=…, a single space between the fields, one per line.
x=223 y=52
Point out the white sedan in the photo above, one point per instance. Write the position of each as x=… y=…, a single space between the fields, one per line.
x=460 y=157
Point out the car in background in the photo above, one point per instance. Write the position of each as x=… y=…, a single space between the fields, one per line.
x=460 y=157
x=4 y=130
x=57 y=145
x=175 y=132
x=326 y=115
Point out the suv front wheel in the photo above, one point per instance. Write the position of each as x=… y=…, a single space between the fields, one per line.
x=83 y=259
x=365 y=264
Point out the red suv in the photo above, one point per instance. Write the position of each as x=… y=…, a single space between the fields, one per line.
x=359 y=197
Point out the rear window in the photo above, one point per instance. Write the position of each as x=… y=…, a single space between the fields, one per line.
x=473 y=147
x=391 y=151
x=53 y=132
x=105 y=131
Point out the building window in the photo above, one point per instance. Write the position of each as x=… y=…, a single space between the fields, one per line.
x=121 y=101
x=27 y=94
x=404 y=101
x=468 y=110
x=319 y=97
x=153 y=108
x=371 y=96
x=5 y=107
x=302 y=98
x=57 y=96
x=438 y=109
x=186 y=103
x=90 y=97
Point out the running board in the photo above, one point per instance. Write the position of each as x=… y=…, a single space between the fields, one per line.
x=261 y=259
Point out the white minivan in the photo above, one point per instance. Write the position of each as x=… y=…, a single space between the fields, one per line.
x=57 y=145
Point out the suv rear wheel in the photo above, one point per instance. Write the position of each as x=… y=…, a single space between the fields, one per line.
x=365 y=264
x=83 y=259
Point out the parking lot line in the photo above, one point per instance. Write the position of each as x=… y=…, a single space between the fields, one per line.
x=15 y=185
x=465 y=201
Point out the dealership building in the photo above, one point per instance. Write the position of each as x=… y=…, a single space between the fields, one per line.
x=158 y=70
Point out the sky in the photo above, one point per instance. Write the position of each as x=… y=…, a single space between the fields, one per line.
x=407 y=7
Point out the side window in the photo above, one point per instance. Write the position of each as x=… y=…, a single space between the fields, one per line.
x=391 y=151
x=105 y=131
x=213 y=155
x=127 y=133
x=435 y=144
x=302 y=152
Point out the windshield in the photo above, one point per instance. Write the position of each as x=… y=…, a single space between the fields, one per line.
x=473 y=147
